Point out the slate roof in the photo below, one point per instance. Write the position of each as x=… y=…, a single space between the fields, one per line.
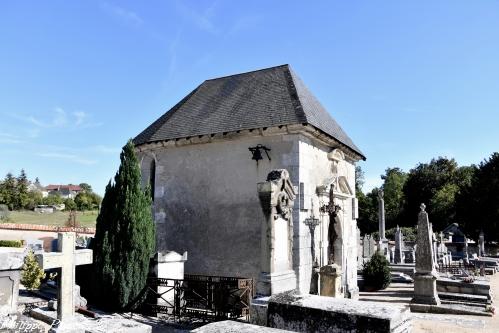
x=264 y=98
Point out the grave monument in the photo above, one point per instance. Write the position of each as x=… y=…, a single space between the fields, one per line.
x=204 y=157
x=425 y=278
x=399 y=247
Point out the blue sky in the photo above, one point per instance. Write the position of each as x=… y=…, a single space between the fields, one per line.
x=407 y=80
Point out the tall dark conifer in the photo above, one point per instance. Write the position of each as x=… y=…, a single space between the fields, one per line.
x=125 y=236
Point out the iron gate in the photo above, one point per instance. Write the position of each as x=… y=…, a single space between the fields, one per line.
x=209 y=298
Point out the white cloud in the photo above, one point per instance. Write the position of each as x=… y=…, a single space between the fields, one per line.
x=124 y=14
x=67 y=157
x=80 y=117
x=106 y=149
x=60 y=119
x=201 y=20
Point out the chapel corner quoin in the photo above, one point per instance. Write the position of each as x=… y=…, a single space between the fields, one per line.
x=198 y=160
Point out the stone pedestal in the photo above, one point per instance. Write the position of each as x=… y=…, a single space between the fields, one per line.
x=168 y=265
x=425 y=289
x=330 y=281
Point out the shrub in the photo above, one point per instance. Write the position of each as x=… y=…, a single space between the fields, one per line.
x=32 y=272
x=11 y=243
x=376 y=272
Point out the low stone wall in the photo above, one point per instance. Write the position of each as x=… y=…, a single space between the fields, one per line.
x=51 y=228
x=311 y=313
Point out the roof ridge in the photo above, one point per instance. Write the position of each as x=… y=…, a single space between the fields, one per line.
x=293 y=93
x=248 y=72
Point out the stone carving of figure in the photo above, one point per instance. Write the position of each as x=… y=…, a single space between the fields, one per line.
x=332 y=232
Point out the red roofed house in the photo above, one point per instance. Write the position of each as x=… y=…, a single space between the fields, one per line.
x=65 y=191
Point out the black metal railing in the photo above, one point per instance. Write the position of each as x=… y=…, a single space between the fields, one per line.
x=457 y=268
x=209 y=298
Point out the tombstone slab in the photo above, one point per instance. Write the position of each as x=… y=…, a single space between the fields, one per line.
x=311 y=313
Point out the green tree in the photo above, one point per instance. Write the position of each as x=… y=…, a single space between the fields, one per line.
x=86 y=187
x=393 y=184
x=8 y=191
x=69 y=204
x=21 y=192
x=125 y=236
x=477 y=201
x=53 y=199
x=433 y=184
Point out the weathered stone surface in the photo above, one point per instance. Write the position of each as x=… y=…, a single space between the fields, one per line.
x=477 y=287
x=277 y=197
x=425 y=287
x=230 y=326
x=208 y=205
x=11 y=261
x=330 y=281
x=82 y=324
x=15 y=323
x=66 y=259
x=311 y=313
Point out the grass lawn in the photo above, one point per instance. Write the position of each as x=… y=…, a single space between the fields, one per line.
x=85 y=219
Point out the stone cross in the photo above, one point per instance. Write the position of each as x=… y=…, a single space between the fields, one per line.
x=425 y=278
x=381 y=215
x=65 y=260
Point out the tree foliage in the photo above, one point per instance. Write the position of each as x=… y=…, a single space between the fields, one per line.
x=125 y=236
x=393 y=185
x=32 y=273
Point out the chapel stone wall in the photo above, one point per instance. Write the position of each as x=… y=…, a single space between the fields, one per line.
x=206 y=200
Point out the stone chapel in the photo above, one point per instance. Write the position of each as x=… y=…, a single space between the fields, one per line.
x=206 y=155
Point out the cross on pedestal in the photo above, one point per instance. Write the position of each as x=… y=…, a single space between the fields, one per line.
x=65 y=259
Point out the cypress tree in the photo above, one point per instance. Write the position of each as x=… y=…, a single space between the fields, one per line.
x=125 y=236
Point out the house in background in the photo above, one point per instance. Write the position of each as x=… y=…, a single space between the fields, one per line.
x=65 y=191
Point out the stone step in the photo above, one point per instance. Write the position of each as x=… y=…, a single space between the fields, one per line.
x=467 y=298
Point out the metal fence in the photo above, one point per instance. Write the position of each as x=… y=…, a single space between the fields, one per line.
x=209 y=298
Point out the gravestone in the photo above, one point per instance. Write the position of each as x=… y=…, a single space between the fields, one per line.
x=330 y=281
x=168 y=265
x=11 y=262
x=425 y=287
x=312 y=313
x=383 y=242
x=65 y=260
x=481 y=244
x=399 y=247
x=277 y=197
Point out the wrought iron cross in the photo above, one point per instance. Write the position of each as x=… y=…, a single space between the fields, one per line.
x=312 y=222
x=331 y=209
